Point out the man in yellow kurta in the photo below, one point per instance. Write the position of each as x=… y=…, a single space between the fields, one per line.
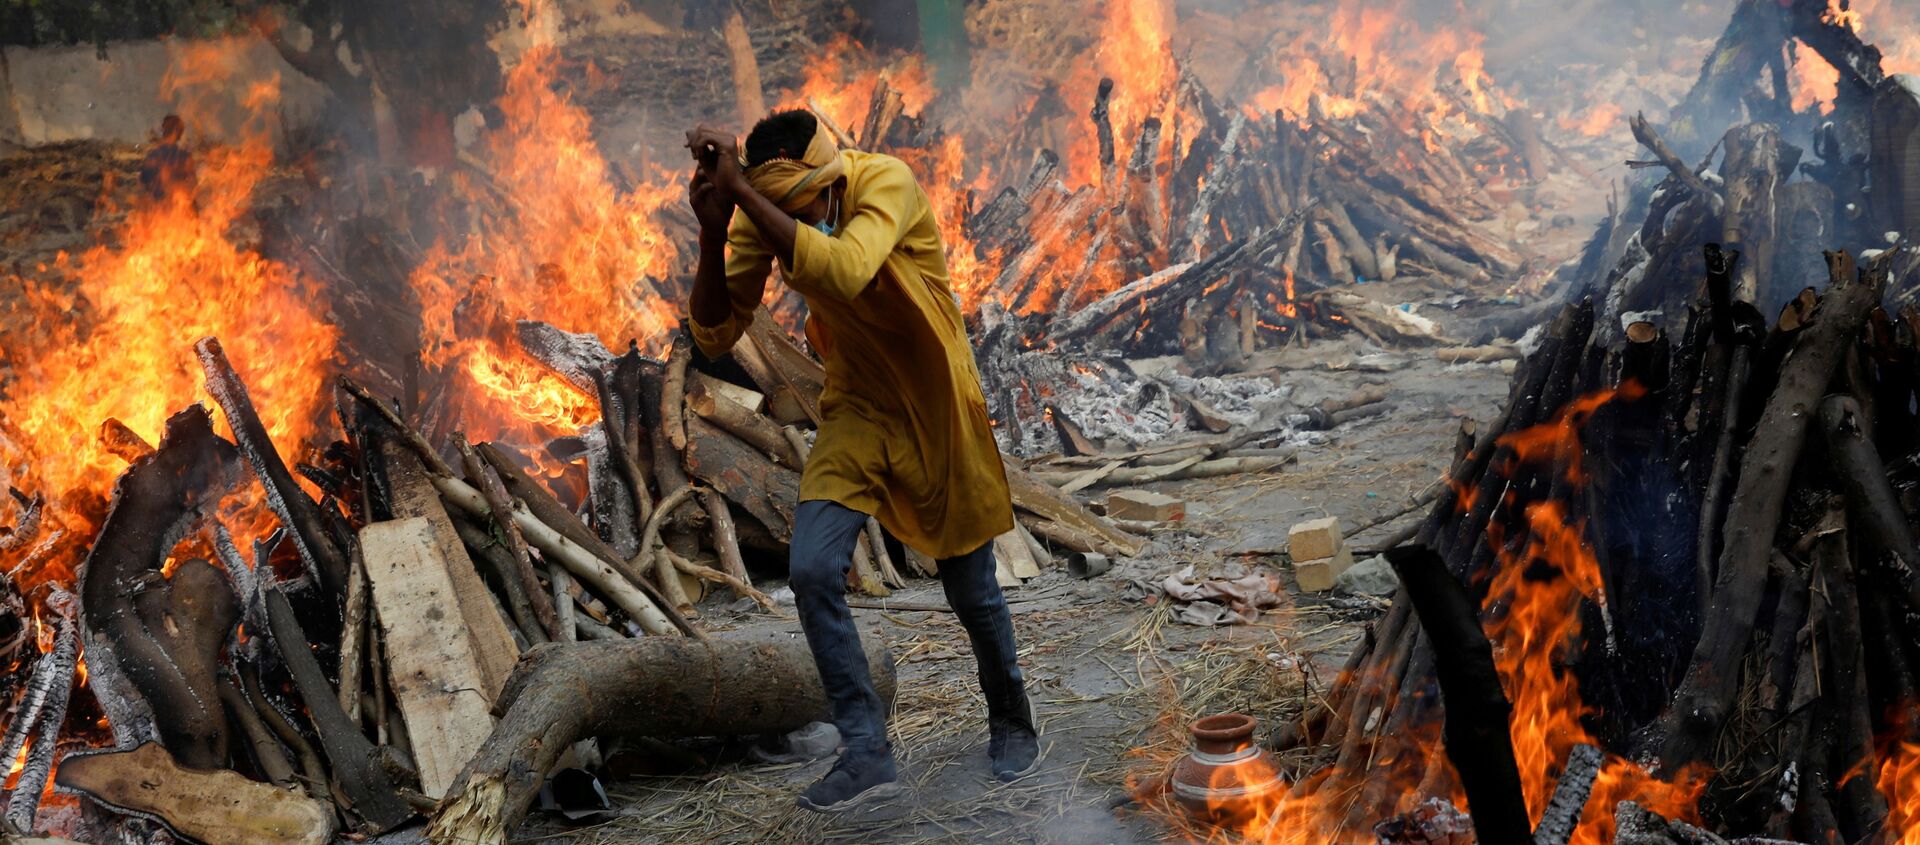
x=905 y=435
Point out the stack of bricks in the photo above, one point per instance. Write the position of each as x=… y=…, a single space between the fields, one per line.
x=1319 y=553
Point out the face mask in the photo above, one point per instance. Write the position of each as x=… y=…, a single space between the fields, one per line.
x=829 y=223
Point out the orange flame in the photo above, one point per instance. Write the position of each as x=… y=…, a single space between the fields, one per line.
x=1899 y=782
x=118 y=342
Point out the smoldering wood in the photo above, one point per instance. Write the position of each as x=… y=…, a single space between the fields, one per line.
x=1562 y=816
x=42 y=711
x=659 y=687
x=308 y=528
x=154 y=502
x=359 y=769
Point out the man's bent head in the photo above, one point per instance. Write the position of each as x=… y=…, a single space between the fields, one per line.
x=791 y=159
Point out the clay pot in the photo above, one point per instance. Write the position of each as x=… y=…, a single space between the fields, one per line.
x=1226 y=773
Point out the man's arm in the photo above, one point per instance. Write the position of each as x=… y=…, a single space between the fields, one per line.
x=726 y=287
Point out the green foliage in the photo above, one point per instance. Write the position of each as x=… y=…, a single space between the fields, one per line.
x=35 y=22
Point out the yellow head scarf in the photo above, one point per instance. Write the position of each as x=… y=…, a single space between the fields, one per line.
x=793 y=183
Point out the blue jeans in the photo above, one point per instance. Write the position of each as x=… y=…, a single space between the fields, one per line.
x=824 y=536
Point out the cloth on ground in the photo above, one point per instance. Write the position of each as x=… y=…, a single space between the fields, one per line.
x=1232 y=597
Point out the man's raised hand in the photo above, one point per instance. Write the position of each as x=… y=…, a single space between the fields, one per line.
x=711 y=206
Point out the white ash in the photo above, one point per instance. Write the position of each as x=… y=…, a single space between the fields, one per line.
x=1111 y=404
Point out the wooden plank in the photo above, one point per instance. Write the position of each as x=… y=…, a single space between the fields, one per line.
x=414 y=496
x=431 y=657
x=1011 y=550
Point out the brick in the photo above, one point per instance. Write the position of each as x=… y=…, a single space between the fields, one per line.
x=1317 y=576
x=1314 y=539
x=1145 y=506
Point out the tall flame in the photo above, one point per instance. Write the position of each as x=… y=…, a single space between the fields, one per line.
x=562 y=244
x=117 y=343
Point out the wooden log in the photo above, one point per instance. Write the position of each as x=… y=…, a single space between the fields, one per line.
x=1705 y=696
x=655 y=616
x=42 y=711
x=883 y=108
x=267 y=753
x=313 y=773
x=353 y=638
x=745 y=475
x=217 y=807
x=1191 y=467
x=491 y=554
x=296 y=511
x=726 y=543
x=655 y=687
x=1872 y=503
x=674 y=386
x=1035 y=497
x=1848 y=709
x=1366 y=261
x=1752 y=170
x=1649 y=137
x=522 y=574
x=172 y=670
x=546 y=523
x=415 y=495
x=363 y=773
x=749 y=99
x=757 y=430
x=1103 y=127
x=1562 y=816
x=435 y=666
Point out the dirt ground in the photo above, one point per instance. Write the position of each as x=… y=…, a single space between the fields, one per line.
x=1114 y=679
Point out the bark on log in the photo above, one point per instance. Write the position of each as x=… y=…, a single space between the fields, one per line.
x=1872 y=503
x=1705 y=697
x=1562 y=816
x=1752 y=170
x=746 y=476
x=296 y=511
x=655 y=687
x=1479 y=736
x=482 y=477
x=153 y=503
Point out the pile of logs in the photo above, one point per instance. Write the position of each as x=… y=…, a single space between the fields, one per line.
x=1748 y=496
x=348 y=672
x=1209 y=234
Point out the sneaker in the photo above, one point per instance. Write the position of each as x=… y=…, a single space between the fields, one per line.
x=853 y=780
x=1013 y=745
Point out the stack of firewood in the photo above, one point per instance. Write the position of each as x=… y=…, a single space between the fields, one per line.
x=1221 y=225
x=1751 y=541
x=362 y=653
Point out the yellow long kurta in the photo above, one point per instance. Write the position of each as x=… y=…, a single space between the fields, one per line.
x=904 y=434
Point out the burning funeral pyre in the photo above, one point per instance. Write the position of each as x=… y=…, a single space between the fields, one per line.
x=1674 y=578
